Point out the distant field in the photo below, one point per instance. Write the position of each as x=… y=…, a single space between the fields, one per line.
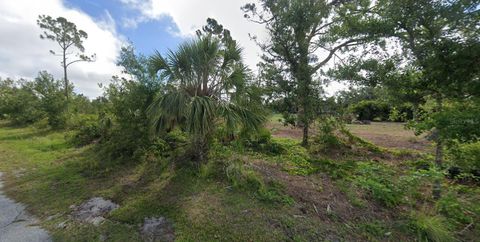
x=390 y=135
x=384 y=134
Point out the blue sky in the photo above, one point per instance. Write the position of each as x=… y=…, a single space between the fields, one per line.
x=149 y=24
x=148 y=36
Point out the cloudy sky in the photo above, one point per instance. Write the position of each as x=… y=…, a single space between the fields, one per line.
x=149 y=24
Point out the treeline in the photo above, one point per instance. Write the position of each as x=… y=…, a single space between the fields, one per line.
x=42 y=100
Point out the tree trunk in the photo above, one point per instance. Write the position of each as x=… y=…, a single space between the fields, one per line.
x=437 y=186
x=415 y=112
x=65 y=78
x=305 y=79
x=305 y=134
x=199 y=150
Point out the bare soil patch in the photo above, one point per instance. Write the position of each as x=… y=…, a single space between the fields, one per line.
x=383 y=134
x=317 y=197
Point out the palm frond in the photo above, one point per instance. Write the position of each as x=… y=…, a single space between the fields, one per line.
x=168 y=110
x=240 y=116
x=201 y=115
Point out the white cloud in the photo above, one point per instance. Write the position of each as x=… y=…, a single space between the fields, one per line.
x=23 y=53
x=190 y=15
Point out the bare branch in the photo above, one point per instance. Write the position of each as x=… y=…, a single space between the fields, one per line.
x=351 y=42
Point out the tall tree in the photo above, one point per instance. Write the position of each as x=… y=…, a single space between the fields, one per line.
x=441 y=54
x=207 y=81
x=438 y=35
x=304 y=35
x=69 y=39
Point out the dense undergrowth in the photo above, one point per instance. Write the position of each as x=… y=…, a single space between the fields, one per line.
x=257 y=188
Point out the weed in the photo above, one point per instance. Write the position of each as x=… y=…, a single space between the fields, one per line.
x=336 y=169
x=378 y=181
x=375 y=229
x=244 y=178
x=431 y=228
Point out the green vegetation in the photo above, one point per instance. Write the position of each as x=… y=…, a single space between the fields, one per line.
x=193 y=135
x=201 y=73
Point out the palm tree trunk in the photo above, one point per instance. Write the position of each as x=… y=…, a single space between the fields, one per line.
x=199 y=150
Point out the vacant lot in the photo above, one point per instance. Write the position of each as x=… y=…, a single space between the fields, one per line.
x=390 y=135
x=384 y=134
x=265 y=196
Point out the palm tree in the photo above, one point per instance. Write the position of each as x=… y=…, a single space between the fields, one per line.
x=206 y=86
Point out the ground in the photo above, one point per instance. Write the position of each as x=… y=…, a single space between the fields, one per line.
x=391 y=135
x=292 y=199
x=16 y=224
x=384 y=134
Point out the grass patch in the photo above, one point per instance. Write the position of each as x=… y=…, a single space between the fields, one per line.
x=229 y=199
x=431 y=228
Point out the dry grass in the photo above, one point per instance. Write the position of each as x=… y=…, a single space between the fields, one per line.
x=383 y=134
x=391 y=135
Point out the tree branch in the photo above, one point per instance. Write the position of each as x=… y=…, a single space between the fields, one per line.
x=332 y=52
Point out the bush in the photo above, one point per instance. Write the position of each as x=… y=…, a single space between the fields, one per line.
x=242 y=177
x=261 y=141
x=157 y=150
x=51 y=99
x=327 y=138
x=23 y=107
x=87 y=134
x=333 y=136
x=466 y=157
x=176 y=138
x=401 y=113
x=26 y=102
x=371 y=110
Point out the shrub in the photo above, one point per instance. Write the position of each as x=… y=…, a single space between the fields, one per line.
x=176 y=138
x=327 y=138
x=242 y=177
x=371 y=110
x=51 y=99
x=466 y=156
x=334 y=136
x=262 y=141
x=289 y=119
x=401 y=113
x=23 y=107
x=157 y=150
x=86 y=134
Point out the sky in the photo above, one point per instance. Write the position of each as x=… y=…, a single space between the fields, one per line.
x=149 y=25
